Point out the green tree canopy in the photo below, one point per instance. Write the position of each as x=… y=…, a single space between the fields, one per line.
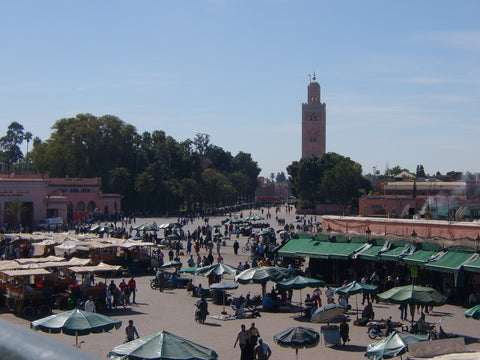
x=330 y=178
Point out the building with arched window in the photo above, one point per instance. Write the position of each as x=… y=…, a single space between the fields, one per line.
x=26 y=199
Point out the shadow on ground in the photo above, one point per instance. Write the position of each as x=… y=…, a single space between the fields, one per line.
x=350 y=348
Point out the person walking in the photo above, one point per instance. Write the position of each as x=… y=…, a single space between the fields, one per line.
x=132 y=289
x=262 y=350
x=236 y=245
x=344 y=332
x=131 y=331
x=242 y=339
x=90 y=305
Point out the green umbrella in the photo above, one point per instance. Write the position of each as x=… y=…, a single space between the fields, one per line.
x=162 y=346
x=297 y=338
x=146 y=227
x=414 y=295
x=172 y=264
x=173 y=237
x=261 y=275
x=354 y=288
x=217 y=269
x=189 y=270
x=76 y=323
x=170 y=225
x=473 y=312
x=393 y=345
x=298 y=283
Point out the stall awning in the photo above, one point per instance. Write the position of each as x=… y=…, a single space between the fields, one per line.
x=370 y=254
x=452 y=261
x=102 y=267
x=473 y=266
x=29 y=272
x=319 y=249
x=419 y=257
x=333 y=250
x=294 y=246
x=391 y=255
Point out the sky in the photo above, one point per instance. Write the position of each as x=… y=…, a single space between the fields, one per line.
x=400 y=79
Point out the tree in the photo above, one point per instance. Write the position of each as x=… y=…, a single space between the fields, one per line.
x=119 y=180
x=27 y=137
x=201 y=142
x=190 y=191
x=280 y=178
x=330 y=178
x=213 y=184
x=10 y=144
x=420 y=173
x=13 y=209
x=144 y=183
x=242 y=162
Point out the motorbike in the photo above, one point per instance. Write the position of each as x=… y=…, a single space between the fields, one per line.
x=200 y=316
x=377 y=329
x=201 y=312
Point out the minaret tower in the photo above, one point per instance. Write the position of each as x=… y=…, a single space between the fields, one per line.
x=313 y=122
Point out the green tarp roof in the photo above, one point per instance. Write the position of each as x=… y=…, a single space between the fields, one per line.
x=392 y=254
x=473 y=265
x=336 y=250
x=419 y=257
x=450 y=262
x=370 y=254
x=319 y=249
x=294 y=245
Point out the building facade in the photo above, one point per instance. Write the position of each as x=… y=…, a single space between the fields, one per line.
x=39 y=196
x=313 y=122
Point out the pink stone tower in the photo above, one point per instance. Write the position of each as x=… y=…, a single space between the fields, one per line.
x=313 y=122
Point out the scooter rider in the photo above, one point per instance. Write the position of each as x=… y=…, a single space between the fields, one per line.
x=202 y=310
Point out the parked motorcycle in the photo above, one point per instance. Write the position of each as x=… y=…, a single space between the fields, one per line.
x=375 y=329
x=380 y=328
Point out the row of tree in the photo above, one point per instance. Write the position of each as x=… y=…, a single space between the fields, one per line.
x=169 y=175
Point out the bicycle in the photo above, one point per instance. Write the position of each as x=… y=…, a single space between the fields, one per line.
x=246 y=248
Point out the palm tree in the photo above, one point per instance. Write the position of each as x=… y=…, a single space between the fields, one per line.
x=189 y=190
x=14 y=208
x=27 y=137
x=144 y=183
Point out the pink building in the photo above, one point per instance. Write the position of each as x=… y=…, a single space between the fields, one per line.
x=313 y=123
x=42 y=196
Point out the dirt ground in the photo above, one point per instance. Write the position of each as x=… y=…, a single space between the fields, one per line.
x=173 y=311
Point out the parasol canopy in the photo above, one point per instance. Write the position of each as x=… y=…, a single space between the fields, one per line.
x=413 y=294
x=172 y=264
x=328 y=312
x=300 y=282
x=355 y=288
x=297 y=338
x=146 y=227
x=262 y=274
x=171 y=225
x=473 y=313
x=217 y=269
x=76 y=323
x=162 y=346
x=393 y=345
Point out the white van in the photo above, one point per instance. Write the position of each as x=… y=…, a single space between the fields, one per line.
x=50 y=223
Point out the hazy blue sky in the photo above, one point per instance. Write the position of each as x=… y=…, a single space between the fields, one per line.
x=400 y=79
